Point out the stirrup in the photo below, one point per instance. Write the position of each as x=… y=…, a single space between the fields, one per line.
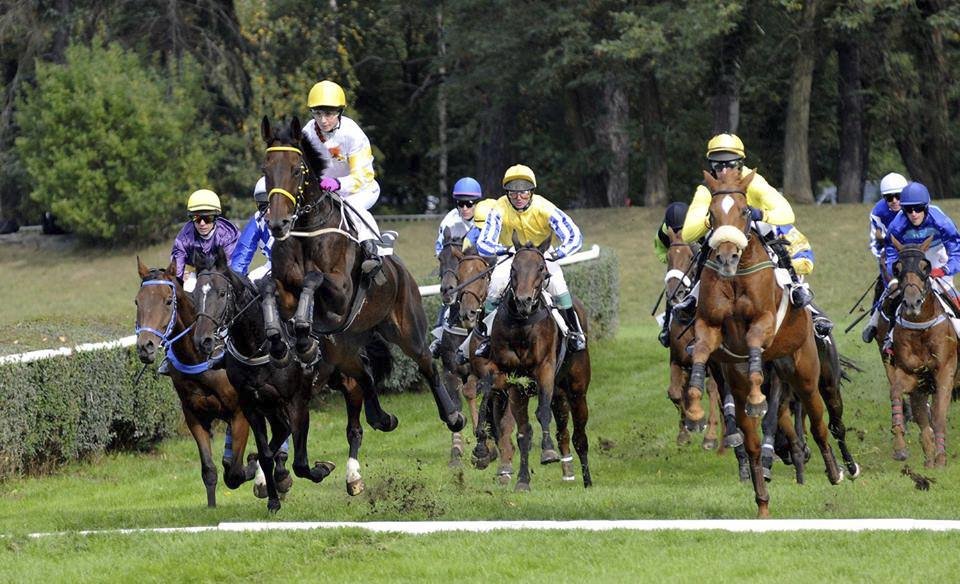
x=576 y=341
x=483 y=348
x=664 y=336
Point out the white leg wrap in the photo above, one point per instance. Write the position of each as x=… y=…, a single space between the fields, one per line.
x=353 y=470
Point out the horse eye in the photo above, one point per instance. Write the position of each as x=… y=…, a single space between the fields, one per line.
x=223 y=293
x=169 y=301
x=296 y=171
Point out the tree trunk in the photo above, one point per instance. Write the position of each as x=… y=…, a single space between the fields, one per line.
x=655 y=148
x=934 y=84
x=442 y=151
x=725 y=102
x=796 y=159
x=593 y=189
x=852 y=150
x=613 y=136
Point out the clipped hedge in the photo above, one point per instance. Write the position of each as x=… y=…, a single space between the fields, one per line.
x=69 y=408
x=595 y=282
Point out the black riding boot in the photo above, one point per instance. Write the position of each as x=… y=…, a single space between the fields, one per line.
x=664 y=336
x=576 y=340
x=372 y=262
x=800 y=294
x=480 y=332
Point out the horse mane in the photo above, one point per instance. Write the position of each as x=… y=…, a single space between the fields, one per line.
x=312 y=157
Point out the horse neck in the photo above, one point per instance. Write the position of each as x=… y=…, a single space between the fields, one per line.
x=247 y=329
x=326 y=211
x=186 y=315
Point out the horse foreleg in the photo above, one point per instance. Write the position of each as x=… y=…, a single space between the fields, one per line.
x=507 y=422
x=708 y=338
x=921 y=415
x=769 y=424
x=805 y=386
x=713 y=417
x=545 y=386
x=208 y=470
x=353 y=397
x=759 y=332
x=377 y=417
x=830 y=392
x=300 y=426
x=751 y=444
x=279 y=352
x=307 y=346
x=518 y=405
x=456 y=438
x=485 y=419
x=258 y=424
x=675 y=389
x=561 y=414
x=900 y=384
x=239 y=472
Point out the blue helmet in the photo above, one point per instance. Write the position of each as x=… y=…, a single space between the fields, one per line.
x=914 y=194
x=467 y=189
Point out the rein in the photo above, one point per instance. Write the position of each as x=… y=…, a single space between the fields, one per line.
x=167 y=343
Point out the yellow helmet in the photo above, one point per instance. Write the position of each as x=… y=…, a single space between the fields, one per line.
x=723 y=147
x=326 y=94
x=204 y=200
x=519 y=178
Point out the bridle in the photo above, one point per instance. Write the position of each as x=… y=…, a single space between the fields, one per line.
x=538 y=304
x=297 y=198
x=228 y=316
x=727 y=233
x=683 y=276
x=166 y=342
x=461 y=291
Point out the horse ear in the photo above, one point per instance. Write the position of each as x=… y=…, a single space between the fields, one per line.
x=295 y=129
x=457 y=252
x=545 y=244
x=745 y=181
x=515 y=238
x=172 y=268
x=926 y=243
x=447 y=235
x=712 y=183
x=142 y=269
x=896 y=243
x=265 y=132
x=221 y=263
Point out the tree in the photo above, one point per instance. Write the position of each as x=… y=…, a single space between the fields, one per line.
x=108 y=149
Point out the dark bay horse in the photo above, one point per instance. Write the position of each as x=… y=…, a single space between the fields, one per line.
x=165 y=314
x=230 y=308
x=680 y=265
x=924 y=361
x=743 y=319
x=458 y=266
x=316 y=268
x=525 y=341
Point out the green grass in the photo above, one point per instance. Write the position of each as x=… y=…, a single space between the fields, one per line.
x=638 y=470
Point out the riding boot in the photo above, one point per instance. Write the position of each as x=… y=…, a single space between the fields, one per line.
x=870 y=331
x=822 y=325
x=800 y=295
x=664 y=336
x=372 y=264
x=483 y=347
x=576 y=340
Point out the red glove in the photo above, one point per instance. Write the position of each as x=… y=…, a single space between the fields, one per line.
x=937 y=273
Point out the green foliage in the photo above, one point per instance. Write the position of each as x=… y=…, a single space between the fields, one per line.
x=111 y=147
x=65 y=409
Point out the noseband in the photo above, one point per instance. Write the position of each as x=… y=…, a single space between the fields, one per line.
x=166 y=342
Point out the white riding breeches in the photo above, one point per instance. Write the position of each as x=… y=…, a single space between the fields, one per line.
x=366 y=225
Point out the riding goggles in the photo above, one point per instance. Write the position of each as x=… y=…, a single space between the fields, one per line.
x=891 y=196
x=325 y=112
x=914 y=209
x=467 y=204
x=208 y=219
x=718 y=165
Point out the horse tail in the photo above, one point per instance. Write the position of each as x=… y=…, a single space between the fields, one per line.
x=380 y=359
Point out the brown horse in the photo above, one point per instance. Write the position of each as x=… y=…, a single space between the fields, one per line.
x=680 y=265
x=165 y=314
x=743 y=315
x=526 y=342
x=924 y=357
x=458 y=266
x=319 y=284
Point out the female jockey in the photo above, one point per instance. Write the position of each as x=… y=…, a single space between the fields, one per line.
x=349 y=164
x=535 y=219
x=255 y=234
x=203 y=234
x=916 y=221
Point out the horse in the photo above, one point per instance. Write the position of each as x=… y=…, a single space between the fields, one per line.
x=924 y=359
x=525 y=341
x=744 y=316
x=229 y=306
x=681 y=258
x=165 y=314
x=317 y=256
x=459 y=266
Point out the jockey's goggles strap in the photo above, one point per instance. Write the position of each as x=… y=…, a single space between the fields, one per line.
x=285 y=149
x=283 y=192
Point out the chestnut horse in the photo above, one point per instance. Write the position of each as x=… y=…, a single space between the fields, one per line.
x=525 y=341
x=316 y=268
x=924 y=357
x=229 y=307
x=744 y=316
x=165 y=314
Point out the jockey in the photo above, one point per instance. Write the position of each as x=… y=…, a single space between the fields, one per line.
x=466 y=193
x=768 y=208
x=349 y=164
x=672 y=221
x=203 y=234
x=535 y=219
x=881 y=216
x=256 y=233
x=916 y=221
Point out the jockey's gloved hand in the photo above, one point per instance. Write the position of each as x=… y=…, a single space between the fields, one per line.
x=555 y=255
x=937 y=273
x=329 y=184
x=505 y=252
x=756 y=214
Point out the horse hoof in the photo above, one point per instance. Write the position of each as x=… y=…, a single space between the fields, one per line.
x=260 y=491
x=767 y=474
x=504 y=476
x=354 y=488
x=900 y=455
x=285 y=484
x=321 y=470
x=854 y=471
x=308 y=356
x=733 y=440
x=683 y=438
x=709 y=444
x=454 y=462
x=456 y=422
x=567 y=468
x=273 y=505
x=549 y=456
x=389 y=424
x=522 y=487
x=757 y=410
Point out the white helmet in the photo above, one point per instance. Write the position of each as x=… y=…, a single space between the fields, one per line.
x=260 y=191
x=892 y=183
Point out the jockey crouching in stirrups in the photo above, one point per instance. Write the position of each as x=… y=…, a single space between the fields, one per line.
x=534 y=219
x=768 y=208
x=917 y=221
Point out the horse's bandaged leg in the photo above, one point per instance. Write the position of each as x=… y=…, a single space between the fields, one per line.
x=698 y=375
